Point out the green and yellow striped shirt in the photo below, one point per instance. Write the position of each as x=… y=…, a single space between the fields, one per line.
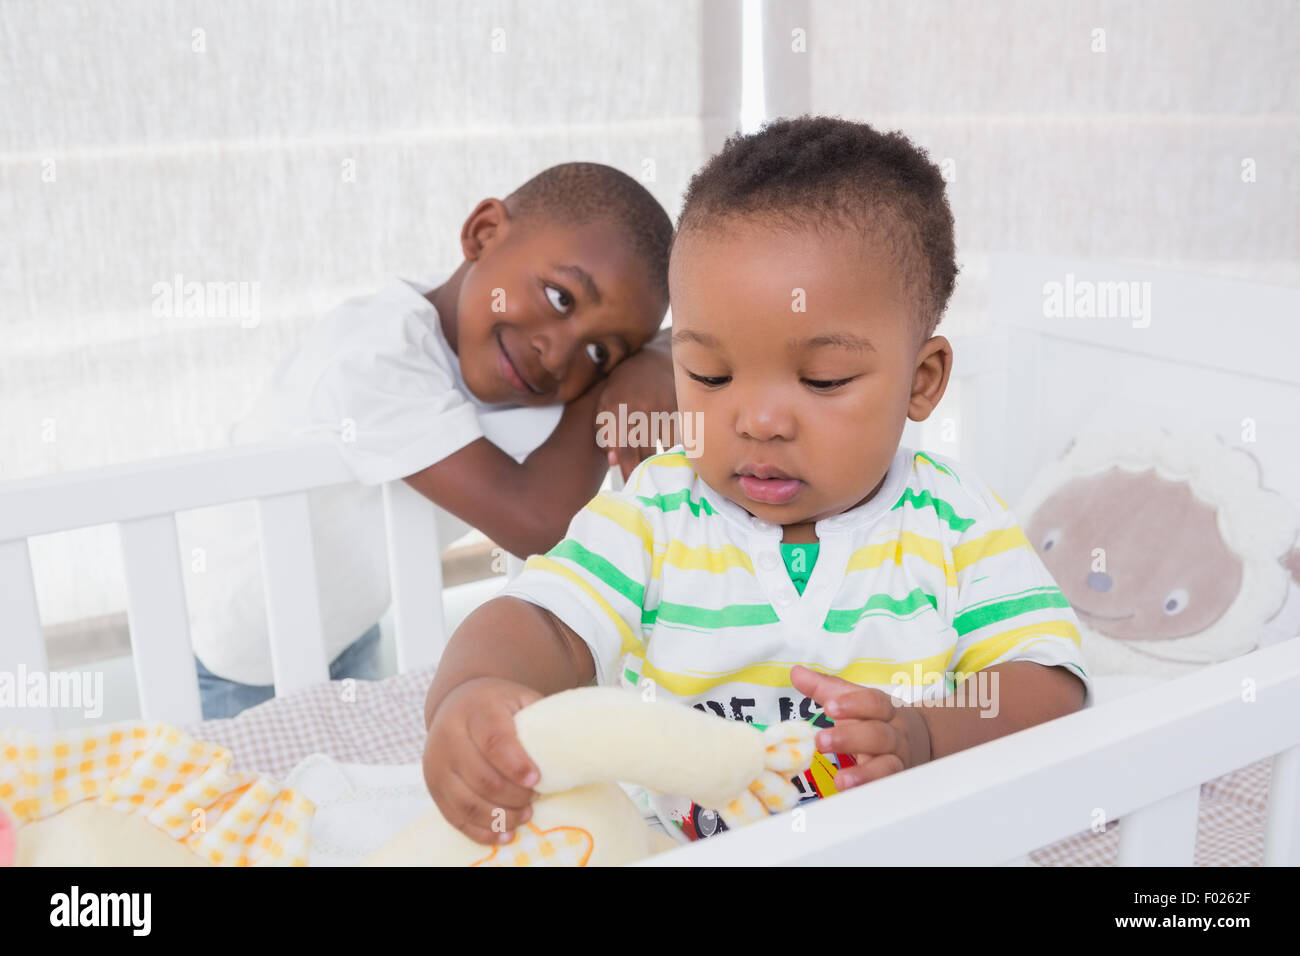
x=930 y=581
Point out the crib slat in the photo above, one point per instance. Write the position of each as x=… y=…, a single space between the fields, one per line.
x=23 y=643
x=415 y=571
x=1162 y=833
x=160 y=630
x=1282 y=832
x=298 y=657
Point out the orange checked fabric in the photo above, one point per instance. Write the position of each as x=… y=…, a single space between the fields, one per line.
x=179 y=785
x=560 y=846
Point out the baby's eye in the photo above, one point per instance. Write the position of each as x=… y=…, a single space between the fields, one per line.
x=601 y=355
x=566 y=300
x=706 y=380
x=827 y=385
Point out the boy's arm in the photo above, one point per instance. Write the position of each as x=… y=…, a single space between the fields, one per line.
x=642 y=386
x=525 y=508
x=1023 y=694
x=512 y=639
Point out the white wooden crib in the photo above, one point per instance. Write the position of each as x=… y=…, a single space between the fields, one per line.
x=1022 y=390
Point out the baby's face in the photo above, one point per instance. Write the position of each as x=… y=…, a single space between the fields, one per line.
x=546 y=311
x=752 y=367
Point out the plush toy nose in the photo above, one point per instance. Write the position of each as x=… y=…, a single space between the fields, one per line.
x=1099 y=581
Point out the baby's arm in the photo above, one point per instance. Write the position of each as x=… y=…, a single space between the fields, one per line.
x=507 y=654
x=512 y=639
x=527 y=507
x=1023 y=694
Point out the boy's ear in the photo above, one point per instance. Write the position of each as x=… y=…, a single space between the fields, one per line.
x=489 y=222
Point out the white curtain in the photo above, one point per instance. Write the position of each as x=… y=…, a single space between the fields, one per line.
x=296 y=152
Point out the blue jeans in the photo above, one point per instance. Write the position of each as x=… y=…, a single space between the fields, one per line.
x=226 y=698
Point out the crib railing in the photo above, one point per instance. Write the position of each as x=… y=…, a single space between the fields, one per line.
x=142 y=498
x=1141 y=758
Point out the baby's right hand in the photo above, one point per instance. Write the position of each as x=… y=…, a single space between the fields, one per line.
x=474 y=766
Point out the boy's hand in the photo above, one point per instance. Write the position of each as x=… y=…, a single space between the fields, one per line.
x=883 y=737
x=641 y=383
x=474 y=766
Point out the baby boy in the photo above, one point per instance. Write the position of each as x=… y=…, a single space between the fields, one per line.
x=800 y=561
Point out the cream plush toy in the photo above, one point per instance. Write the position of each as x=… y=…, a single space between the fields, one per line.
x=583 y=742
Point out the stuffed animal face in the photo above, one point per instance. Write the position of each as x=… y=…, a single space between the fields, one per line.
x=1137 y=557
x=1169 y=547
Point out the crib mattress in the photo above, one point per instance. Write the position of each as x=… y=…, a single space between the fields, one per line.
x=385 y=725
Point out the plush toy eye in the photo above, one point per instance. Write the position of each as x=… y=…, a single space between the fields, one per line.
x=1176 y=601
x=1051 y=539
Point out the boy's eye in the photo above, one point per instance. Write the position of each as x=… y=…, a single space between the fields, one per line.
x=706 y=380
x=600 y=355
x=827 y=385
x=565 y=300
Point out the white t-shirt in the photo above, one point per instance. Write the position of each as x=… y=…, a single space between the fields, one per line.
x=378 y=375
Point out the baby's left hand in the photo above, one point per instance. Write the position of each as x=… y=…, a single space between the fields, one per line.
x=883 y=737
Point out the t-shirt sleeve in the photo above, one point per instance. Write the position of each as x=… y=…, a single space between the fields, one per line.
x=1009 y=607
x=595 y=579
x=393 y=408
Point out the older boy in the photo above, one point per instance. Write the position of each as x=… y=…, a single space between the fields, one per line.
x=562 y=283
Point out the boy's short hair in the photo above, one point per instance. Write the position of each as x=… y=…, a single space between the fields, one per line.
x=574 y=194
x=816 y=170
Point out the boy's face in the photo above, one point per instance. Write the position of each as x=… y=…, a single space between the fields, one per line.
x=554 y=306
x=768 y=317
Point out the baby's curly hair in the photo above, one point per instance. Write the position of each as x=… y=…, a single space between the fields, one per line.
x=824 y=171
